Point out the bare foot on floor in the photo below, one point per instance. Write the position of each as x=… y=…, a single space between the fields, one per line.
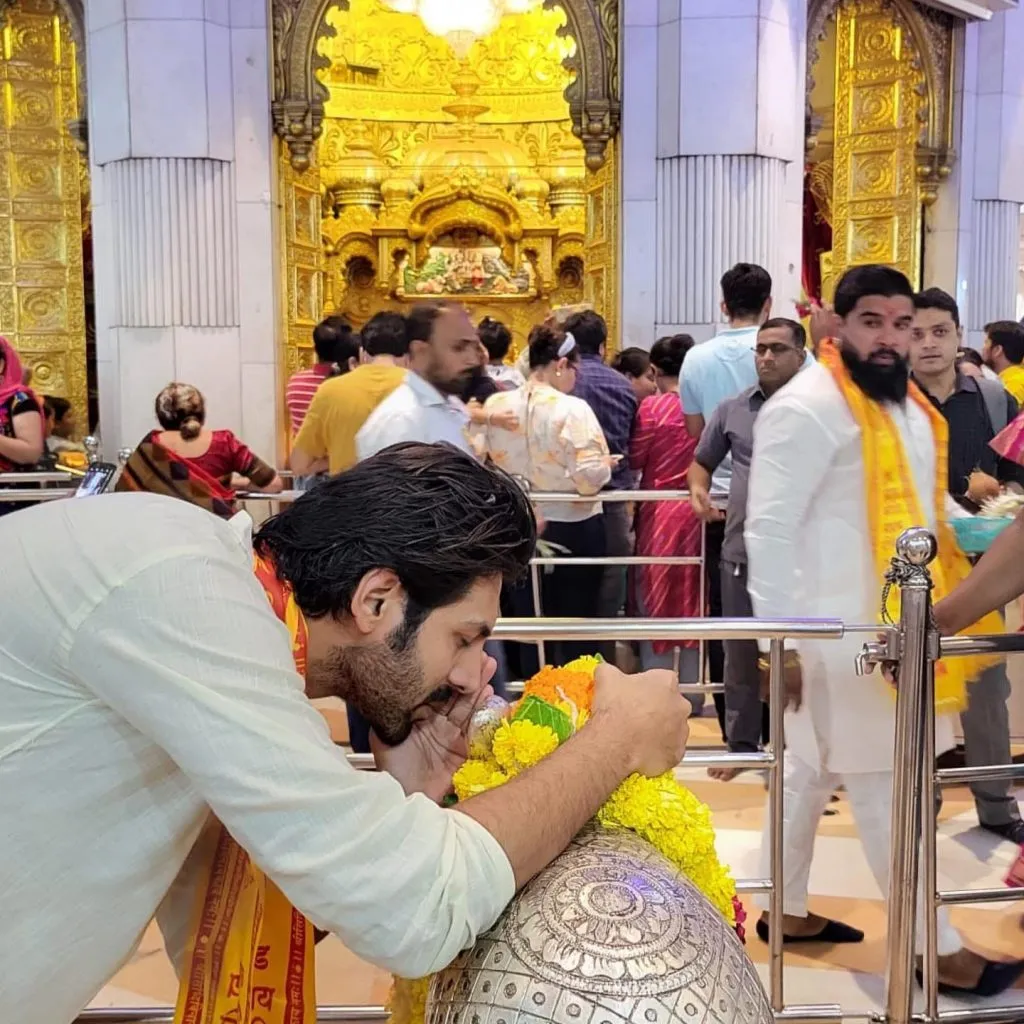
x=725 y=774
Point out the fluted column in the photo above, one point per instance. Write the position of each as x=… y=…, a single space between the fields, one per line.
x=721 y=180
x=992 y=185
x=174 y=227
x=180 y=149
x=995 y=260
x=715 y=211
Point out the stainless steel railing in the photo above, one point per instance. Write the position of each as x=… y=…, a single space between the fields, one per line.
x=915 y=649
x=770 y=761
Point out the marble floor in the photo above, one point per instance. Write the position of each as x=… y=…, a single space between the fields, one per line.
x=841 y=884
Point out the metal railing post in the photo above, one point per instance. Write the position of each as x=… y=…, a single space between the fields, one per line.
x=776 y=813
x=537 y=610
x=914 y=550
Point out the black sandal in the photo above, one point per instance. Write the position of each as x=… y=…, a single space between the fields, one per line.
x=834 y=932
x=996 y=978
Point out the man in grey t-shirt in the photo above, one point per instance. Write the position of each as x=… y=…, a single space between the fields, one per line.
x=779 y=356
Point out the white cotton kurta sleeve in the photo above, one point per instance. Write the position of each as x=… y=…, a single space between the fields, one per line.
x=187 y=652
x=792 y=453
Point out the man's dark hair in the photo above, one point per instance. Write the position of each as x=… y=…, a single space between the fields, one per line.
x=1009 y=336
x=496 y=338
x=668 y=353
x=433 y=515
x=385 y=335
x=936 y=298
x=970 y=355
x=419 y=324
x=871 y=279
x=632 y=362
x=56 y=407
x=328 y=338
x=795 y=328
x=745 y=290
x=589 y=330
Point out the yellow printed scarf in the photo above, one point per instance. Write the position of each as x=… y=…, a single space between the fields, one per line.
x=893 y=506
x=250 y=959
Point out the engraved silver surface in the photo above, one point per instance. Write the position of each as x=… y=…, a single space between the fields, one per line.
x=609 y=933
x=484 y=724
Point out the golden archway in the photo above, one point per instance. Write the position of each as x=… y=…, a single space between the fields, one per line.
x=884 y=68
x=44 y=213
x=298 y=98
x=398 y=161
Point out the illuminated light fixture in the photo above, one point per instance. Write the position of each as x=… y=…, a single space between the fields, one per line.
x=461 y=22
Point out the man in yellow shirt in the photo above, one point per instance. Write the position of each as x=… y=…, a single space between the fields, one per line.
x=341 y=405
x=1004 y=352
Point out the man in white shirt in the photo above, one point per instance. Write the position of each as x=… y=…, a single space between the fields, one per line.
x=845 y=456
x=146 y=685
x=444 y=354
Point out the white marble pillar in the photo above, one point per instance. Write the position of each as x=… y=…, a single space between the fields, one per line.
x=993 y=144
x=728 y=161
x=180 y=154
x=639 y=263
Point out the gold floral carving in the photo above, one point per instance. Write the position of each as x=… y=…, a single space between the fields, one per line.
x=302 y=32
x=42 y=291
x=927 y=36
x=880 y=104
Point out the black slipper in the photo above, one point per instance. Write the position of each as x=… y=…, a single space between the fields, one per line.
x=995 y=979
x=834 y=932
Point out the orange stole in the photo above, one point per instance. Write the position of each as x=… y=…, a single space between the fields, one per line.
x=250 y=959
x=893 y=506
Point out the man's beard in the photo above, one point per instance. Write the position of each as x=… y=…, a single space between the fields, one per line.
x=883 y=382
x=455 y=387
x=384 y=681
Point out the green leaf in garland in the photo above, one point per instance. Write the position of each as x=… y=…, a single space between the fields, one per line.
x=540 y=712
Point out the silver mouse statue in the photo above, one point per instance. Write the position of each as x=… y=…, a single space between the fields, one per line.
x=609 y=933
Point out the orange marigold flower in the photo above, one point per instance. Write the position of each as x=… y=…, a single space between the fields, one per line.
x=558 y=686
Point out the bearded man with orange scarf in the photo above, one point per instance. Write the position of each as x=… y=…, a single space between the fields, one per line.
x=846 y=457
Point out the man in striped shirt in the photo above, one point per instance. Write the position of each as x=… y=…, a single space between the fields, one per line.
x=335 y=345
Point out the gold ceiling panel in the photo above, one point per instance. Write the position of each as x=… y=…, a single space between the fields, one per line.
x=385 y=66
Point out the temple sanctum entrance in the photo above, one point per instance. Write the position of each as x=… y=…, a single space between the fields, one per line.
x=449 y=166
x=44 y=197
x=879 y=134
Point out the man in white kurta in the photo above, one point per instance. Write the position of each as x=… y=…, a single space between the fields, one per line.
x=811 y=555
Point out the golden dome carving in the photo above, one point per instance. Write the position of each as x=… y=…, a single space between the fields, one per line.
x=467 y=144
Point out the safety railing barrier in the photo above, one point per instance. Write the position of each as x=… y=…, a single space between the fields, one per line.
x=776 y=631
x=44 y=477
x=913 y=651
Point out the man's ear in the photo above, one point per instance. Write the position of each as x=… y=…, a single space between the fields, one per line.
x=379 y=599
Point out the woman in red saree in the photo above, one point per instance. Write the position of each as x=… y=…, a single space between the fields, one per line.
x=662 y=451
x=185 y=460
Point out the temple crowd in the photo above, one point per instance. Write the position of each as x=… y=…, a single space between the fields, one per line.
x=144 y=657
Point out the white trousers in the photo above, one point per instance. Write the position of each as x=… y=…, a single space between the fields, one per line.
x=807 y=794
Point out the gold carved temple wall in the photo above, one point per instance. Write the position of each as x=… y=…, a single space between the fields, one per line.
x=43 y=197
x=439 y=176
x=880 y=130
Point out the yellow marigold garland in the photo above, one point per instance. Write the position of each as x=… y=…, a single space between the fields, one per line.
x=661 y=810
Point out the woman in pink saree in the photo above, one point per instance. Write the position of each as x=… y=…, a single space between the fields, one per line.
x=662 y=451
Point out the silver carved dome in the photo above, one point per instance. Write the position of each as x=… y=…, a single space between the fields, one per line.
x=609 y=933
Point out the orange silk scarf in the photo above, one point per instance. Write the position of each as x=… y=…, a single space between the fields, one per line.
x=250 y=959
x=893 y=506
